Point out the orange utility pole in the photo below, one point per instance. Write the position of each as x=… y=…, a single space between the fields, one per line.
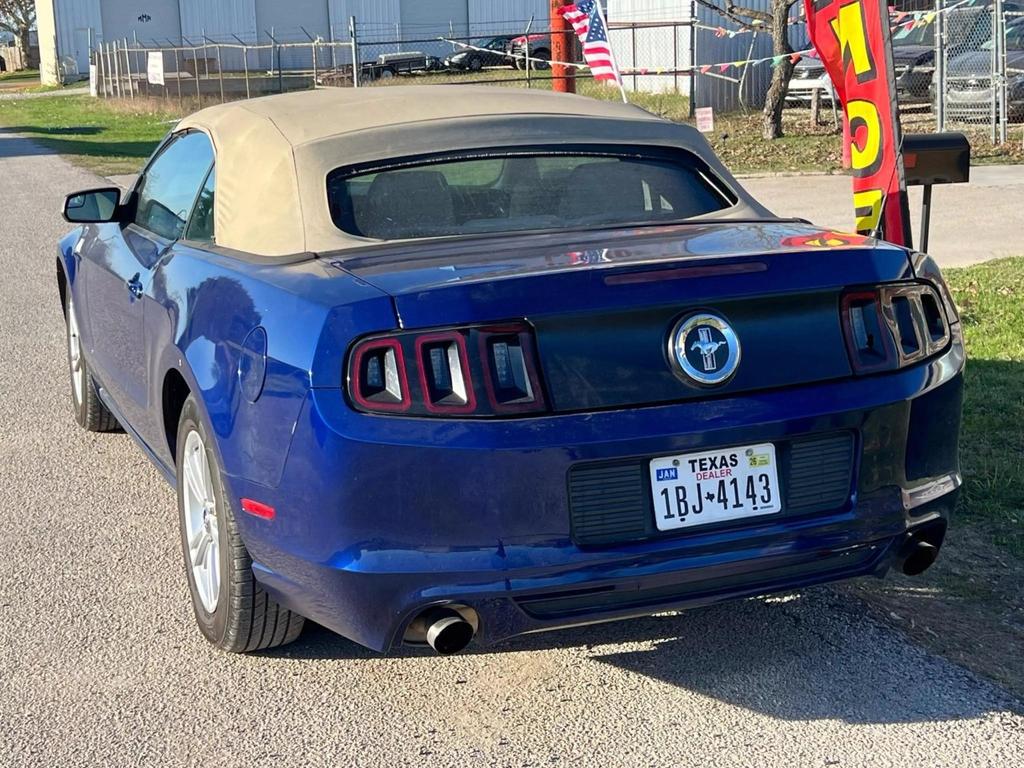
x=563 y=77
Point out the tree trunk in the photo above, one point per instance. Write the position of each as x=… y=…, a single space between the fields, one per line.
x=775 y=98
x=23 y=43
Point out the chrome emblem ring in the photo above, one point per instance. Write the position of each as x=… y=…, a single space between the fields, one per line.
x=705 y=349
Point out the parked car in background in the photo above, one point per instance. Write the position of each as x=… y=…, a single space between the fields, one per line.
x=473 y=60
x=538 y=46
x=913 y=62
x=809 y=76
x=969 y=90
x=432 y=364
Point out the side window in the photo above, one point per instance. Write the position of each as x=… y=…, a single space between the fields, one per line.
x=200 y=226
x=171 y=183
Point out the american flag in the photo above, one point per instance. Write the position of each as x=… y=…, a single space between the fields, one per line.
x=585 y=17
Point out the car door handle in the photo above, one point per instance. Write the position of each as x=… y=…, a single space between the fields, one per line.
x=135 y=286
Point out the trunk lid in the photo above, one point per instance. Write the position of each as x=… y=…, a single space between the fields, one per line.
x=604 y=303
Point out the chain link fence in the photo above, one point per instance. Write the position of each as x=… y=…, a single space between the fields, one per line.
x=978 y=77
x=961 y=65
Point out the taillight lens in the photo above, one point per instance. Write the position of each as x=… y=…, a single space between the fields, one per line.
x=892 y=326
x=475 y=371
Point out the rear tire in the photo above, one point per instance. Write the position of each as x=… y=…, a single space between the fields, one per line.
x=90 y=412
x=232 y=610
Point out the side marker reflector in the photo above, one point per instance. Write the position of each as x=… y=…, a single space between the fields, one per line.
x=258 y=509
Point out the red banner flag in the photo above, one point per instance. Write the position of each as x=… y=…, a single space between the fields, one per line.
x=852 y=40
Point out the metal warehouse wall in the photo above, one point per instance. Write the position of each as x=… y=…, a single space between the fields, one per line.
x=291 y=21
x=507 y=16
x=219 y=19
x=74 y=19
x=657 y=48
x=723 y=95
x=127 y=19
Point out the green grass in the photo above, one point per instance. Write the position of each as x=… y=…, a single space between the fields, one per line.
x=991 y=301
x=23 y=75
x=105 y=137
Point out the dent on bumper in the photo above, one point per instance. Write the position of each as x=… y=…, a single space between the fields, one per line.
x=378 y=518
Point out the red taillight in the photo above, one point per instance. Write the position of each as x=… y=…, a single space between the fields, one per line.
x=378 y=365
x=445 y=380
x=893 y=326
x=476 y=371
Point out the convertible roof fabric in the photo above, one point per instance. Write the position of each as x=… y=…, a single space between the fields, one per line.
x=274 y=153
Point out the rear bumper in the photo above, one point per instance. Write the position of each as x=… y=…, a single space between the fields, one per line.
x=379 y=518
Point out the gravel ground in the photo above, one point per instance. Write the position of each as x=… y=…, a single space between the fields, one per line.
x=100 y=663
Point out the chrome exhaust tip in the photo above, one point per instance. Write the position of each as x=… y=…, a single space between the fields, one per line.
x=447 y=631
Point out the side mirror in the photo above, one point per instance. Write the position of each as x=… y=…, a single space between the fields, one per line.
x=93 y=206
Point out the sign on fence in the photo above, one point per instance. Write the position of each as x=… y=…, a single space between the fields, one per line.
x=705 y=119
x=155 y=68
x=93 y=84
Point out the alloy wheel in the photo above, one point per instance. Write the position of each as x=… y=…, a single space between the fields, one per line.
x=201 y=523
x=75 y=354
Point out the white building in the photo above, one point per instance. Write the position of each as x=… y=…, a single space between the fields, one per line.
x=68 y=28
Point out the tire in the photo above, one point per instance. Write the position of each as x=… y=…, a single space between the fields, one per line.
x=232 y=610
x=90 y=412
x=475 y=64
x=543 y=53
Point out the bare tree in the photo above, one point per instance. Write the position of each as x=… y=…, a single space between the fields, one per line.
x=17 y=17
x=776 y=21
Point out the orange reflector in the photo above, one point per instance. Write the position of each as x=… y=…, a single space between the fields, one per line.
x=257 y=508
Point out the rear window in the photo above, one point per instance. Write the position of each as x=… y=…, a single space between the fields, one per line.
x=529 y=191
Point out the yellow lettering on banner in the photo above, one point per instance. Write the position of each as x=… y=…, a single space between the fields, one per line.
x=867 y=207
x=866 y=144
x=850 y=29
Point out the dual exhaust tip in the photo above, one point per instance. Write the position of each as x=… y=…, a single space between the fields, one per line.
x=921 y=548
x=449 y=629
x=446 y=629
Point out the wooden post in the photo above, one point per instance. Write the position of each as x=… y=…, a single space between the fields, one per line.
x=563 y=77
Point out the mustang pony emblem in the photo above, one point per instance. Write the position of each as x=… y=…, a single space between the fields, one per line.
x=703 y=349
x=707 y=348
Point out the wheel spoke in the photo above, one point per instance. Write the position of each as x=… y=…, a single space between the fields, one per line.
x=196 y=540
x=205 y=475
x=213 y=569
x=192 y=480
x=202 y=550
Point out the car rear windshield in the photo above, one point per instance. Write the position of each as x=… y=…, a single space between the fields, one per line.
x=518 y=192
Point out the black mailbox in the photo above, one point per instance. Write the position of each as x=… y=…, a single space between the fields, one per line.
x=936 y=158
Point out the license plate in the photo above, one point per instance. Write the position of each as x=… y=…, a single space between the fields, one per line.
x=701 y=488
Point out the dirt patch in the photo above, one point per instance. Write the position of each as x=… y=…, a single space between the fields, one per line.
x=969 y=607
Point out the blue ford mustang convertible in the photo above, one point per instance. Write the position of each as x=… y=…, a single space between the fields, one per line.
x=431 y=364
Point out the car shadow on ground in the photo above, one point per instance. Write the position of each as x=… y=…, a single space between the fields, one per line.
x=814 y=655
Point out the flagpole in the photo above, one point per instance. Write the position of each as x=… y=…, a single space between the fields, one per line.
x=611 y=50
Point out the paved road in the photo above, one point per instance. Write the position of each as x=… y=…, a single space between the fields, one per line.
x=100 y=663
x=970 y=222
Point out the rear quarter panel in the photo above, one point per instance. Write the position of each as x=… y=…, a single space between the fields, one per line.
x=205 y=304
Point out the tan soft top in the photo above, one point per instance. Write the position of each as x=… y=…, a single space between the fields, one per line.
x=274 y=153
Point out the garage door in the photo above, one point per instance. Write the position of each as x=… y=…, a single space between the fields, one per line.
x=429 y=20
